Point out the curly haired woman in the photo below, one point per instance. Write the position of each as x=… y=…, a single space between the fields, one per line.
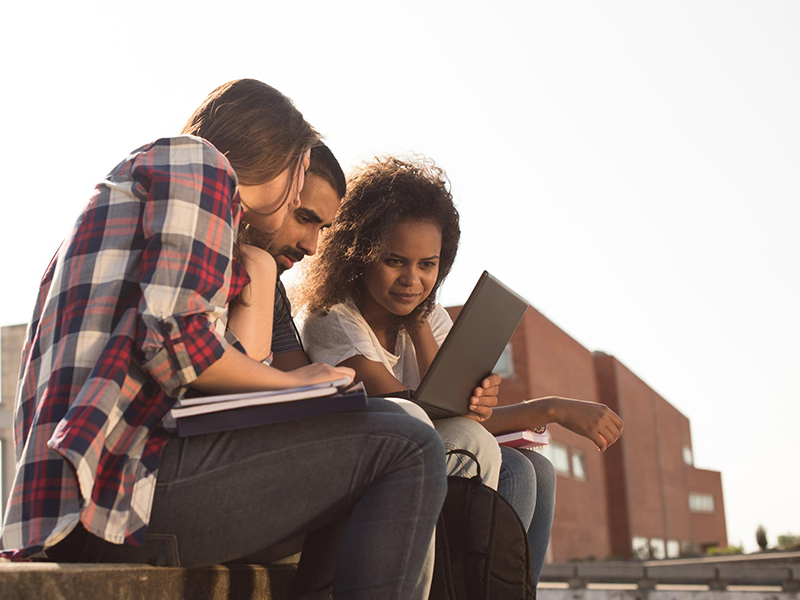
x=370 y=303
x=355 y=318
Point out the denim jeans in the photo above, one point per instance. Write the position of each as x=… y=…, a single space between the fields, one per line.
x=457 y=433
x=225 y=495
x=528 y=482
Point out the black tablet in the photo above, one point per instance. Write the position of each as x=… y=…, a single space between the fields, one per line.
x=470 y=351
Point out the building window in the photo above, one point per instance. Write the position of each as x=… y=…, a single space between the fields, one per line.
x=673 y=549
x=657 y=549
x=641 y=548
x=702 y=503
x=505 y=364
x=564 y=464
x=558 y=454
x=579 y=465
x=560 y=458
x=546 y=451
x=687 y=456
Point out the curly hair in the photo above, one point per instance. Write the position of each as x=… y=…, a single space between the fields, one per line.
x=380 y=194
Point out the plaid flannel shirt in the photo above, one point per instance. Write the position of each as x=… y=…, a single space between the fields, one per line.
x=131 y=310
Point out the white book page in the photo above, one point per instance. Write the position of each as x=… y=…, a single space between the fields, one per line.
x=184 y=402
x=256 y=399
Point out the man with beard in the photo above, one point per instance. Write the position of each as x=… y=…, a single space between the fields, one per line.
x=319 y=200
x=324 y=188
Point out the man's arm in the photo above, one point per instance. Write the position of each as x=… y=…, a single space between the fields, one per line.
x=289 y=361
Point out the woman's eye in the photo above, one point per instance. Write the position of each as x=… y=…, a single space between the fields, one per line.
x=394 y=262
x=428 y=265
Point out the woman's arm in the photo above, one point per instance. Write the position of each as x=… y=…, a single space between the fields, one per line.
x=377 y=380
x=424 y=344
x=237 y=372
x=250 y=317
x=187 y=277
x=592 y=420
x=251 y=321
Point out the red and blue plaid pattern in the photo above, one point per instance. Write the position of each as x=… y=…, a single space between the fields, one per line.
x=131 y=310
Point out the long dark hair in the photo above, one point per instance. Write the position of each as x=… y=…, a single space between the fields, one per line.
x=259 y=130
x=380 y=194
x=256 y=127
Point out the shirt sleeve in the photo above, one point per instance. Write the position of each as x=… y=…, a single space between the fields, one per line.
x=284 y=338
x=189 y=222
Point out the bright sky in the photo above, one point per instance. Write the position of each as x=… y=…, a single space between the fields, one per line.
x=630 y=167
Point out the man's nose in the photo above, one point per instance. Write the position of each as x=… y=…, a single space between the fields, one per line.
x=308 y=245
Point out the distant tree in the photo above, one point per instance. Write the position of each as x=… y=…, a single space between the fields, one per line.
x=717 y=551
x=761 y=538
x=788 y=541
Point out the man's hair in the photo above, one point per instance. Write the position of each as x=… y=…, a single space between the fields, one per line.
x=380 y=195
x=256 y=127
x=324 y=165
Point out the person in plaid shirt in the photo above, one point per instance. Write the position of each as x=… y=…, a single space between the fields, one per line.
x=132 y=312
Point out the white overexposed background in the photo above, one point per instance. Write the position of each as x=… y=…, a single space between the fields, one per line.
x=631 y=167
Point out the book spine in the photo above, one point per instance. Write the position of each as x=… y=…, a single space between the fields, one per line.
x=239 y=418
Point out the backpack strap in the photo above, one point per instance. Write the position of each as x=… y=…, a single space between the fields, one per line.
x=469 y=455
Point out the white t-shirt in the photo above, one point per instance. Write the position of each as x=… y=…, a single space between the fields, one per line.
x=344 y=333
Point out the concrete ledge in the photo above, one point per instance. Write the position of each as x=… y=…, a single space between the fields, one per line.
x=559 y=572
x=60 y=581
x=683 y=574
x=754 y=575
x=612 y=573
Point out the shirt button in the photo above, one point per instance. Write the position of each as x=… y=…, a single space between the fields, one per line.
x=166 y=327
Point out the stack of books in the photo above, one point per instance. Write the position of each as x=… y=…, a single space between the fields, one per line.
x=523 y=439
x=210 y=414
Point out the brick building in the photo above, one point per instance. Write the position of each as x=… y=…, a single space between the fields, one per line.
x=11 y=340
x=643 y=497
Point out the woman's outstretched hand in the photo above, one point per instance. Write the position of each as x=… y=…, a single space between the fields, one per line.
x=484 y=398
x=592 y=420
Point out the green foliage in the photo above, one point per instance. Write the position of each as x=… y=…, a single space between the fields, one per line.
x=717 y=551
x=789 y=541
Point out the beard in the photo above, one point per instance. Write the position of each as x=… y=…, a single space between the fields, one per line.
x=290 y=251
x=255 y=237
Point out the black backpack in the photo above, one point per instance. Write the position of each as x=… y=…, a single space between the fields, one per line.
x=482 y=550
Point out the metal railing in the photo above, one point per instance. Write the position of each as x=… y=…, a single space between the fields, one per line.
x=647 y=577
